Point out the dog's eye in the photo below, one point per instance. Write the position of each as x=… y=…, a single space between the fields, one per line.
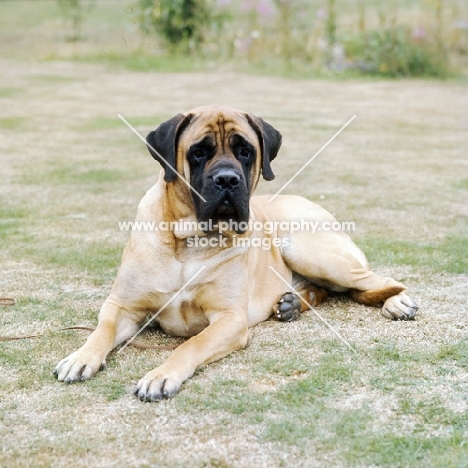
x=245 y=152
x=198 y=153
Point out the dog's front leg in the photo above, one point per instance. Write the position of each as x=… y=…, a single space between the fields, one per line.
x=115 y=325
x=227 y=332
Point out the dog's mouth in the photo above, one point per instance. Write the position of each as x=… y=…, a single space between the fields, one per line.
x=231 y=212
x=226 y=212
x=226 y=209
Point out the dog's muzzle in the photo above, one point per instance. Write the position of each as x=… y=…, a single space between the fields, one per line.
x=227 y=196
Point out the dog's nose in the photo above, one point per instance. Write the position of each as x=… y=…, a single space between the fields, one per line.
x=226 y=179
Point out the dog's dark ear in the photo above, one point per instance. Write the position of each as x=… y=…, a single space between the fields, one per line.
x=162 y=144
x=270 y=142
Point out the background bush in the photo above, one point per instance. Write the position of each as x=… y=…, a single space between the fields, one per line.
x=395 y=51
x=183 y=24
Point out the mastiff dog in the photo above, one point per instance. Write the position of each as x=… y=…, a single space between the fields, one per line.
x=206 y=271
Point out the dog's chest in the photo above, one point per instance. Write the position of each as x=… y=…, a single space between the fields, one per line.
x=174 y=299
x=182 y=316
x=180 y=288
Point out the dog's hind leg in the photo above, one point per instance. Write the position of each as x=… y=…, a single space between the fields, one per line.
x=333 y=261
x=372 y=289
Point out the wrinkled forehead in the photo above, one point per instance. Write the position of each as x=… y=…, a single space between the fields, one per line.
x=217 y=127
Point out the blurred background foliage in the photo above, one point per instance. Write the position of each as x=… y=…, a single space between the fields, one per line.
x=303 y=33
x=308 y=38
x=75 y=11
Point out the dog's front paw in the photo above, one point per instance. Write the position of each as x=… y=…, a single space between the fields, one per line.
x=78 y=366
x=288 y=308
x=156 y=385
x=400 y=307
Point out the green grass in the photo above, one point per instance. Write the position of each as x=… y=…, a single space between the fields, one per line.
x=9 y=91
x=112 y=391
x=402 y=451
x=77 y=176
x=11 y=221
x=98 y=260
x=142 y=62
x=13 y=212
x=462 y=184
x=449 y=255
x=12 y=123
x=49 y=79
x=457 y=353
x=115 y=123
x=94 y=175
x=297 y=403
x=298 y=411
x=284 y=367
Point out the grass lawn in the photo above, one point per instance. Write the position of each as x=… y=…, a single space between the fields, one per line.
x=70 y=170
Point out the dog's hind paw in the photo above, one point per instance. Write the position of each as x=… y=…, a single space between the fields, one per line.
x=400 y=307
x=288 y=307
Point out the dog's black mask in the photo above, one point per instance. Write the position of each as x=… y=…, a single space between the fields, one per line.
x=221 y=177
x=223 y=181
